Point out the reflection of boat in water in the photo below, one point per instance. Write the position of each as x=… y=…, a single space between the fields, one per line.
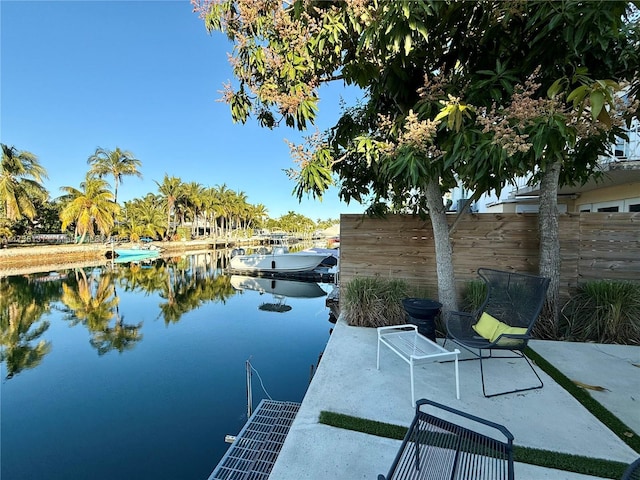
x=284 y=288
x=51 y=277
x=280 y=289
x=278 y=260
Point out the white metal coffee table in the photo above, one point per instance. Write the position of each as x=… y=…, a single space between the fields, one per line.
x=415 y=349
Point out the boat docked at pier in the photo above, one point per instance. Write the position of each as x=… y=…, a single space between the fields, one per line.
x=136 y=252
x=277 y=260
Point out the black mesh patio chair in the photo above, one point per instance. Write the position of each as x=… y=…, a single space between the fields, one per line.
x=511 y=307
x=632 y=472
x=434 y=448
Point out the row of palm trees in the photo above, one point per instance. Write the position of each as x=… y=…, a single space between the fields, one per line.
x=177 y=210
x=213 y=211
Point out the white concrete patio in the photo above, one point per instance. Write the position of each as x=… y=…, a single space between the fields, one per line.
x=348 y=382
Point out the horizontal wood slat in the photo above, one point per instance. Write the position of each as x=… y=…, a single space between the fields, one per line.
x=592 y=246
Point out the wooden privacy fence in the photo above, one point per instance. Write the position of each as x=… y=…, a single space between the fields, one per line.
x=592 y=246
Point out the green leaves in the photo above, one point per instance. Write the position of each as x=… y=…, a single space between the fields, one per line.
x=557 y=87
x=315 y=177
x=599 y=93
x=240 y=105
x=498 y=82
x=454 y=111
x=597 y=102
x=409 y=166
x=578 y=95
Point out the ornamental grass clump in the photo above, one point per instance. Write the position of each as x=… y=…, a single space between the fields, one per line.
x=375 y=302
x=603 y=311
x=474 y=294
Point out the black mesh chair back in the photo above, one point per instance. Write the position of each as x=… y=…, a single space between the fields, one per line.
x=513 y=299
x=439 y=449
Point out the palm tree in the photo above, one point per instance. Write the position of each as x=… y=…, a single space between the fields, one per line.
x=90 y=208
x=143 y=217
x=239 y=209
x=257 y=215
x=20 y=180
x=194 y=198
x=116 y=163
x=170 y=188
x=212 y=209
x=225 y=199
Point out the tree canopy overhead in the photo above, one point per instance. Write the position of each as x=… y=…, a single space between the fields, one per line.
x=455 y=92
x=414 y=61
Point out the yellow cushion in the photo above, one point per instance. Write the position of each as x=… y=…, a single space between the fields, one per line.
x=504 y=328
x=486 y=326
x=491 y=328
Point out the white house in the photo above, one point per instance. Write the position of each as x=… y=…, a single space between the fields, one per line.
x=618 y=190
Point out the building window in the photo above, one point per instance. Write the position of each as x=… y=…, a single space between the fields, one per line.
x=621 y=149
x=613 y=206
x=631 y=205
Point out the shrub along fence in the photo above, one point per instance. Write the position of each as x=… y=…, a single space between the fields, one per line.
x=602 y=246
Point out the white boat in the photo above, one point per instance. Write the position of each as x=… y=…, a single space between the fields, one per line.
x=276 y=261
x=284 y=288
x=331 y=255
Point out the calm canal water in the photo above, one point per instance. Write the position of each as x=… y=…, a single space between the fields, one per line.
x=137 y=371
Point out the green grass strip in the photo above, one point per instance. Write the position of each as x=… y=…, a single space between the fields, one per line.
x=363 y=425
x=617 y=426
x=596 y=467
x=543 y=458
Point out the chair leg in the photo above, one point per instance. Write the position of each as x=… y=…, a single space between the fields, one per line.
x=479 y=356
x=511 y=391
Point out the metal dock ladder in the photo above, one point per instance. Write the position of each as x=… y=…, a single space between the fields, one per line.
x=256 y=448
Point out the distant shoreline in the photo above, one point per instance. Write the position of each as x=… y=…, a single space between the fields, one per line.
x=41 y=258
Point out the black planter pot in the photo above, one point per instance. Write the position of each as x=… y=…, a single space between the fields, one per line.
x=422 y=313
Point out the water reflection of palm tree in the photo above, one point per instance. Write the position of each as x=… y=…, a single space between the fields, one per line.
x=21 y=324
x=185 y=290
x=147 y=280
x=94 y=304
x=86 y=305
x=120 y=337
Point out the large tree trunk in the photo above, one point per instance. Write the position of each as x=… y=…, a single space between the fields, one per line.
x=444 y=250
x=549 y=265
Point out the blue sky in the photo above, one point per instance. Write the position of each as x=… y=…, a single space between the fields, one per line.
x=144 y=76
